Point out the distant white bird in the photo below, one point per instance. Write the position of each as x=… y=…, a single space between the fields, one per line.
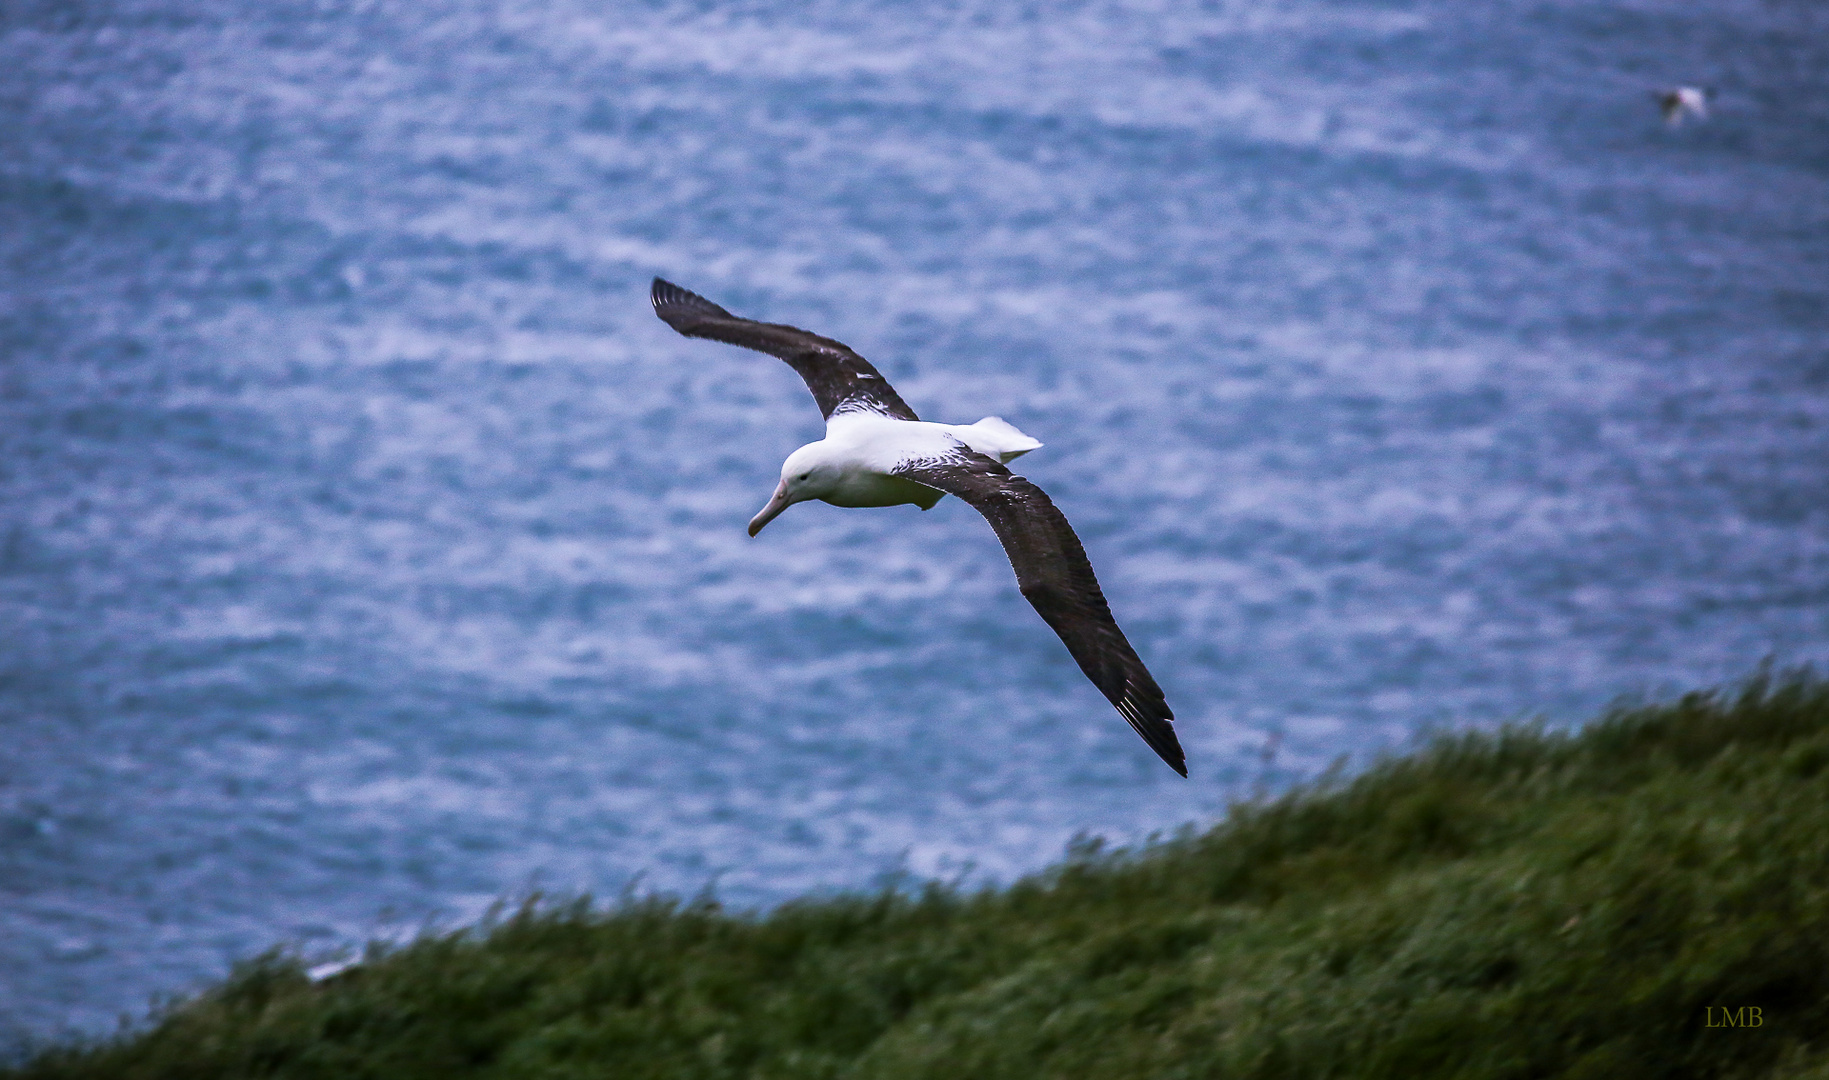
x=1682 y=101
x=877 y=452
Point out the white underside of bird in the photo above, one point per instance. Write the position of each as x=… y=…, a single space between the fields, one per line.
x=854 y=464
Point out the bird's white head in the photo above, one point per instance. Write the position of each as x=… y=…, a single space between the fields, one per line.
x=804 y=475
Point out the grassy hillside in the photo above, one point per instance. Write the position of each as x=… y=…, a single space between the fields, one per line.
x=1516 y=904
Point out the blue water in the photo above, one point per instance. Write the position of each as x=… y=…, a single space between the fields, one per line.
x=368 y=551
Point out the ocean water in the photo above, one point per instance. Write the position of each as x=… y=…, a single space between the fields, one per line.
x=369 y=552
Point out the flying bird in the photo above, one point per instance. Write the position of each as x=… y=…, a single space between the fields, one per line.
x=1681 y=101
x=877 y=452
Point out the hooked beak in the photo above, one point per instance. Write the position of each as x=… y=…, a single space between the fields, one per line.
x=777 y=502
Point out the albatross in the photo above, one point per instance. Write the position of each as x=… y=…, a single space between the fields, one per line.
x=877 y=452
x=1682 y=101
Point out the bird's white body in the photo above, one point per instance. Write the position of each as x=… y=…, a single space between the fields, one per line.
x=861 y=449
x=854 y=464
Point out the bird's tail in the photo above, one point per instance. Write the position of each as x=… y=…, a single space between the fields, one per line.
x=1000 y=437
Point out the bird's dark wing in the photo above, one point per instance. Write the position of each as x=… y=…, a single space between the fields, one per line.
x=1054 y=574
x=841 y=380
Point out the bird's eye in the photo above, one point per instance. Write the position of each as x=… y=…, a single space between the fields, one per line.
x=804 y=476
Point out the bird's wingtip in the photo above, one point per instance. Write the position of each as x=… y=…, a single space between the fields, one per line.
x=1156 y=725
x=1172 y=755
x=672 y=300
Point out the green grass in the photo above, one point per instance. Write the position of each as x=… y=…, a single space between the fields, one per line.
x=1510 y=904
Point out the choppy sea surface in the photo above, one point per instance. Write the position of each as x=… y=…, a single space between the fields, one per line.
x=369 y=552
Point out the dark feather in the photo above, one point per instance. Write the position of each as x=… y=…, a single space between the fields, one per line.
x=1054 y=574
x=841 y=380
